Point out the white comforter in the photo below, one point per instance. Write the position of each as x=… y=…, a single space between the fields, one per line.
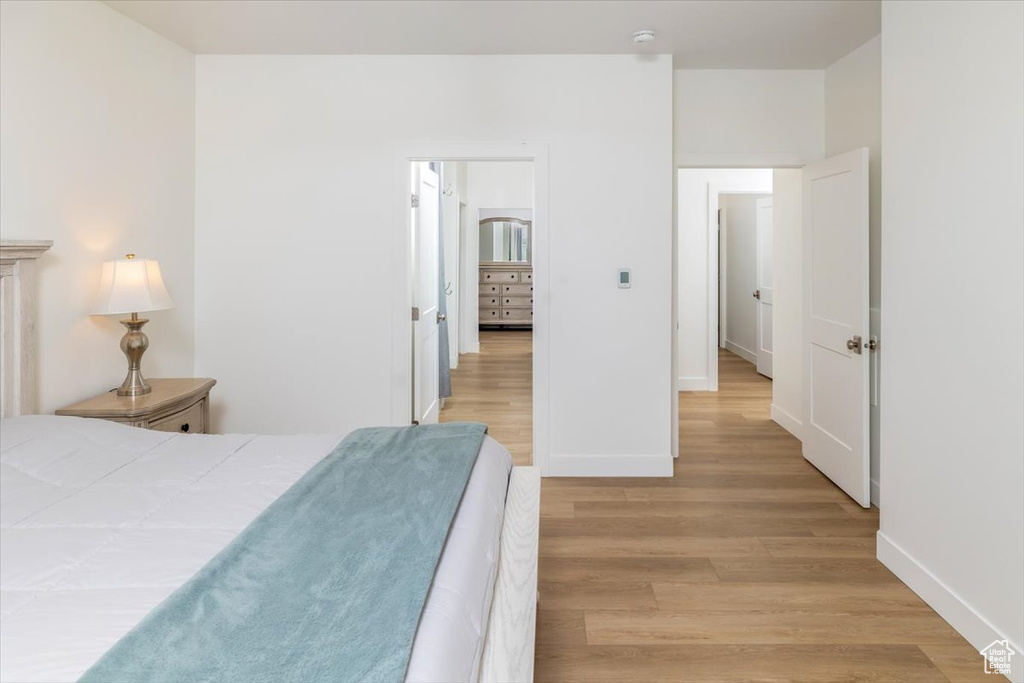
x=100 y=522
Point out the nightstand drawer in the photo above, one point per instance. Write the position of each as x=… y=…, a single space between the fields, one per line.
x=188 y=421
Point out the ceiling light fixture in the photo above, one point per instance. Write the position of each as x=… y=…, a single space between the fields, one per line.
x=644 y=36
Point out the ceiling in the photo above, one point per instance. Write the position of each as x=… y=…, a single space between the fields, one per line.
x=708 y=34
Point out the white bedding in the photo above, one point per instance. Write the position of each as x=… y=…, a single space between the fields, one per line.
x=100 y=522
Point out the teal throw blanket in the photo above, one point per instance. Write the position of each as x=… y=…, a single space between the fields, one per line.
x=327 y=584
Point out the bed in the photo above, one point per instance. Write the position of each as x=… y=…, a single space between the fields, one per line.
x=100 y=523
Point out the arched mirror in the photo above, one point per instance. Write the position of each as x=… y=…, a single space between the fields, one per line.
x=505 y=240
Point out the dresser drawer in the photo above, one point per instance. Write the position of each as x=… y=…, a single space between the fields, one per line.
x=489 y=315
x=492 y=288
x=490 y=301
x=498 y=276
x=190 y=420
x=517 y=290
x=517 y=302
x=517 y=315
x=526 y=276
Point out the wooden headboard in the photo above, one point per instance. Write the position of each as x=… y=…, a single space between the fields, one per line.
x=18 y=324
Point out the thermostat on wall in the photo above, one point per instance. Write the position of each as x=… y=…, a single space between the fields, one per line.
x=625 y=278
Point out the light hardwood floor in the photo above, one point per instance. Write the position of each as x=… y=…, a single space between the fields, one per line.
x=747 y=565
x=495 y=386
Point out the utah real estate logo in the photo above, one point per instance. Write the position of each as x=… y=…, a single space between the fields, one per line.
x=997 y=657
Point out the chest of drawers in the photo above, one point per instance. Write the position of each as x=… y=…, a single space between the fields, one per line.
x=506 y=295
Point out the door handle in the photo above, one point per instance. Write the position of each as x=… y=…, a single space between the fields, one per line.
x=757 y=293
x=441 y=317
x=854 y=344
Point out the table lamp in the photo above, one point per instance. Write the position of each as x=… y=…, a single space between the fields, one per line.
x=131 y=285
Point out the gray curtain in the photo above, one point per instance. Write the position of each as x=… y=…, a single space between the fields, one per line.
x=444 y=384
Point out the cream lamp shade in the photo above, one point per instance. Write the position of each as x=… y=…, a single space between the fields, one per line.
x=131 y=285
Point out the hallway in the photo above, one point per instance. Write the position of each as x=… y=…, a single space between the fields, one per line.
x=495 y=387
x=748 y=565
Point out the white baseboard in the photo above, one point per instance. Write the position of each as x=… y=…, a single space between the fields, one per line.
x=876 y=495
x=610 y=465
x=950 y=606
x=786 y=420
x=693 y=384
x=745 y=354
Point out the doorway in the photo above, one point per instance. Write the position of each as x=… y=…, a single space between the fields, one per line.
x=745 y=277
x=497 y=373
x=815 y=284
x=703 y=290
x=486 y=278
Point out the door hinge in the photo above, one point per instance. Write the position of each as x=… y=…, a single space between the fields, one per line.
x=415 y=202
x=415 y=313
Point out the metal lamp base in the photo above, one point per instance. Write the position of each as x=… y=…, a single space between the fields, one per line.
x=134 y=343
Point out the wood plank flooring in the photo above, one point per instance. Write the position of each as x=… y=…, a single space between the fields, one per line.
x=747 y=565
x=495 y=386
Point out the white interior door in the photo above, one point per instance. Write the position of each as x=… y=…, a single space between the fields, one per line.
x=425 y=236
x=723 y=275
x=763 y=293
x=835 y=258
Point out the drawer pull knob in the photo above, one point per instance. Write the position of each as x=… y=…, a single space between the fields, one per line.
x=184 y=427
x=488 y=277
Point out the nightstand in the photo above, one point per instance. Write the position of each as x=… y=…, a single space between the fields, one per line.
x=174 y=405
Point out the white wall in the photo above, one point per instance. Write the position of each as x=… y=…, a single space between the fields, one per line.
x=295 y=178
x=96 y=153
x=952 y=447
x=749 y=118
x=490 y=185
x=853 y=105
x=787 y=306
x=692 y=221
x=739 y=214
